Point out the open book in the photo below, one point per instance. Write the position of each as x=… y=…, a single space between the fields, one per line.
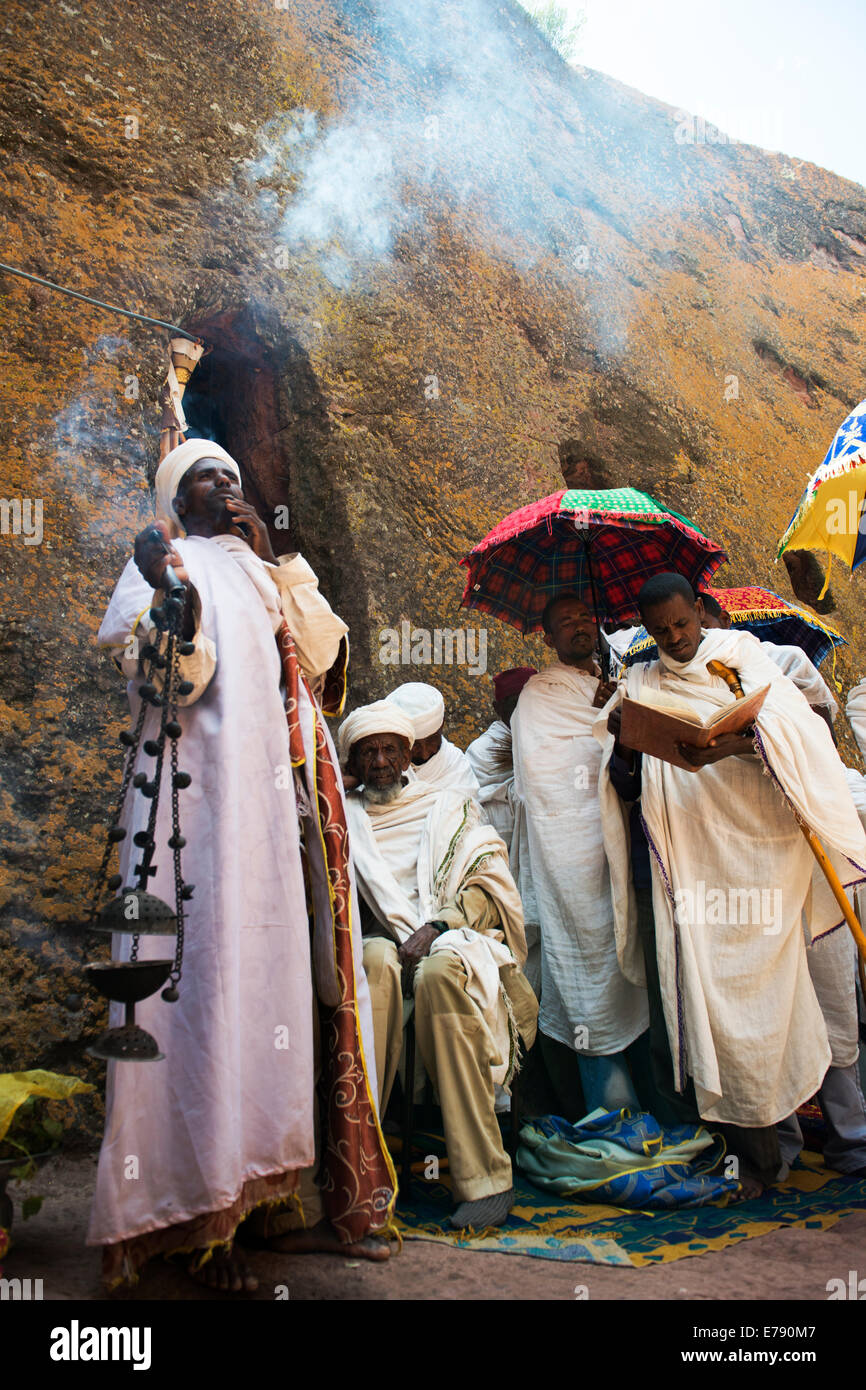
x=657 y=722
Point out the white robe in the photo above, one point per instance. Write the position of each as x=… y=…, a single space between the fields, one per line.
x=556 y=766
x=856 y=712
x=229 y=1103
x=857 y=786
x=492 y=763
x=796 y=665
x=449 y=770
x=619 y=643
x=412 y=856
x=742 y=1015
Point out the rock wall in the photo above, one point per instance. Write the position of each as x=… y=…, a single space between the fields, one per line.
x=435 y=267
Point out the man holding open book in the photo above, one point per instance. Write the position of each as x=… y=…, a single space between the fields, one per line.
x=731 y=751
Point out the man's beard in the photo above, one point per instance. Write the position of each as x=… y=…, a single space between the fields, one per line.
x=381 y=796
x=578 y=651
x=216 y=510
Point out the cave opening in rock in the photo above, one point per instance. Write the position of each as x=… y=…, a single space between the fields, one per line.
x=233 y=397
x=256 y=393
x=582 y=467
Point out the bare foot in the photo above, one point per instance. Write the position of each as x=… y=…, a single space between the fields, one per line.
x=226 y=1272
x=322 y=1239
x=750 y=1188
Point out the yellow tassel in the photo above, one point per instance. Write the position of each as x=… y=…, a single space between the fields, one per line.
x=392 y=1232
x=827 y=577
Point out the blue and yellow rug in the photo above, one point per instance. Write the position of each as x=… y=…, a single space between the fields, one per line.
x=553 y=1228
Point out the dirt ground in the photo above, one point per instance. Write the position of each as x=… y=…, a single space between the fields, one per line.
x=783 y=1265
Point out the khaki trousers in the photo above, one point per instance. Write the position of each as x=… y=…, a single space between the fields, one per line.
x=457 y=1052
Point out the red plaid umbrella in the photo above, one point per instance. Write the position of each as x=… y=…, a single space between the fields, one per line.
x=601 y=545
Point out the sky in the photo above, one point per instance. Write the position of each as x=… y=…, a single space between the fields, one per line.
x=783 y=74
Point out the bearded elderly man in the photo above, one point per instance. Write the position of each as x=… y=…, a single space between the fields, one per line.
x=588 y=1006
x=742 y=1017
x=224 y=1126
x=450 y=931
x=435 y=758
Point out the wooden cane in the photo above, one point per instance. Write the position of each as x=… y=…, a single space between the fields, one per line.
x=732 y=680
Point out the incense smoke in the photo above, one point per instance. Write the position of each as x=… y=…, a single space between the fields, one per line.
x=104 y=421
x=455 y=111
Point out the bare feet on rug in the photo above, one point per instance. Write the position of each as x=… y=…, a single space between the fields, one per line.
x=322 y=1239
x=227 y=1272
x=750 y=1187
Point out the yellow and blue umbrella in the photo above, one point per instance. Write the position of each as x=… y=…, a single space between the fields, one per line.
x=830 y=513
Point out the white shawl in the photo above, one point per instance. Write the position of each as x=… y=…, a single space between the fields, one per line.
x=449 y=770
x=490 y=757
x=856 y=712
x=556 y=766
x=412 y=856
x=796 y=665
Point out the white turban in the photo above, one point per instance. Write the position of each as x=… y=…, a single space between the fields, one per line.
x=378 y=718
x=172 y=470
x=423 y=704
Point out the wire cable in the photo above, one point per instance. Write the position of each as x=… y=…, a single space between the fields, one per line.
x=99 y=303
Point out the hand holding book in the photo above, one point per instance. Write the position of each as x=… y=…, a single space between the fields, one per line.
x=725 y=746
x=667 y=727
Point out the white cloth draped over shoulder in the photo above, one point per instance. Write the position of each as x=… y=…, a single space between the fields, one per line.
x=556 y=767
x=412 y=856
x=856 y=712
x=491 y=759
x=796 y=665
x=857 y=786
x=227 y=1105
x=449 y=770
x=734 y=883
x=618 y=644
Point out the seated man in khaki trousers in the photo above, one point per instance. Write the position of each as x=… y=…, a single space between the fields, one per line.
x=451 y=933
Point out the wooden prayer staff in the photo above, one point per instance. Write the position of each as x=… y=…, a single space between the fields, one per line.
x=838 y=891
x=732 y=680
